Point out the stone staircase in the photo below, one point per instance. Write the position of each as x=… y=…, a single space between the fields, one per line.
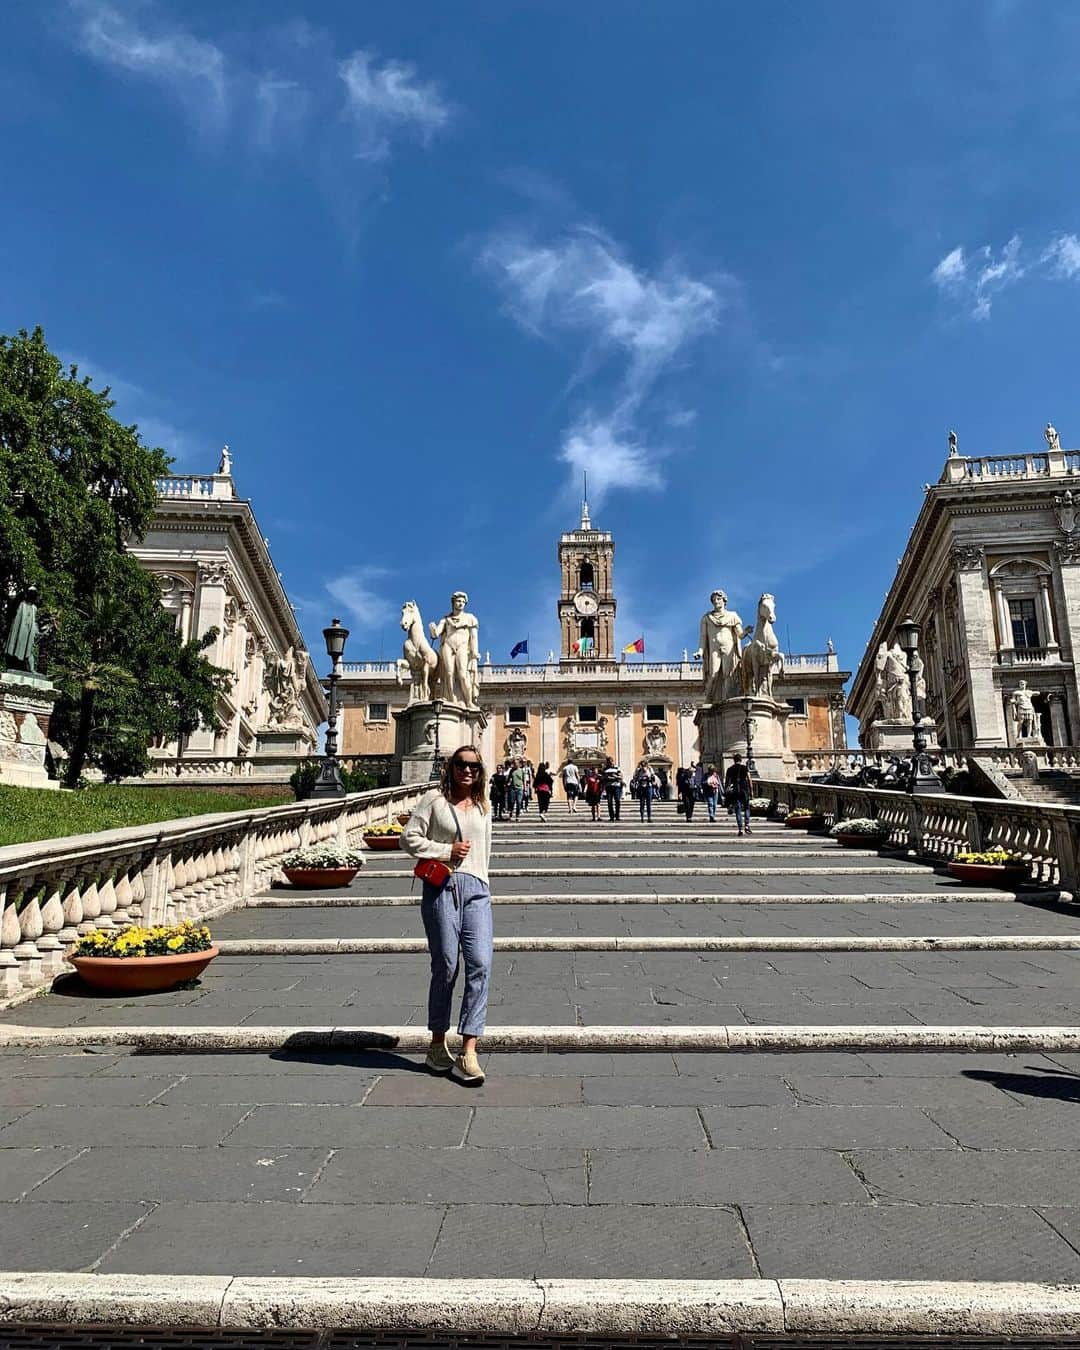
x=1052 y=785
x=756 y=1082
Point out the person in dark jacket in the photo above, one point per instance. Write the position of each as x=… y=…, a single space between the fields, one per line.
x=684 y=785
x=543 y=785
x=613 y=788
x=738 y=789
x=500 y=785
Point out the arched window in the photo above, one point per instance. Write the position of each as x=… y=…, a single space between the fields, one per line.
x=588 y=629
x=585 y=578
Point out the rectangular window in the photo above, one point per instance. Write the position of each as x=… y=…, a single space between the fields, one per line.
x=587 y=713
x=798 y=706
x=378 y=712
x=1025 y=629
x=517 y=715
x=655 y=712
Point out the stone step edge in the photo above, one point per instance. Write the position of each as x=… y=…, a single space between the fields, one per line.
x=900 y=868
x=601 y=855
x=405 y=946
x=960 y=895
x=537 y=1306
x=735 y=1038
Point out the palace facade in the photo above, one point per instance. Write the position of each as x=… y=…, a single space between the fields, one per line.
x=589 y=701
x=209 y=557
x=991 y=572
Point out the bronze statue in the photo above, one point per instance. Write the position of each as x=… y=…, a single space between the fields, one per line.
x=20 y=649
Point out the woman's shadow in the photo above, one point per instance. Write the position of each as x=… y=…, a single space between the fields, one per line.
x=1059 y=1085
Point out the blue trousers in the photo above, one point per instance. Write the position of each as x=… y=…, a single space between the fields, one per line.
x=742 y=814
x=457 y=918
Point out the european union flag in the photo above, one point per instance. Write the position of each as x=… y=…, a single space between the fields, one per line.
x=520 y=648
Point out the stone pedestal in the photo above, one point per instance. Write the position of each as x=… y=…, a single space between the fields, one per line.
x=282 y=741
x=722 y=733
x=414 y=737
x=897 y=738
x=25 y=707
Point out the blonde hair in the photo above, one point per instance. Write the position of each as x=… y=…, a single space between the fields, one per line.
x=477 y=789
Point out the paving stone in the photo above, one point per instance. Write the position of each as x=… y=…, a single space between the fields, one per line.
x=342 y=1126
x=1045 y=1125
x=78 y=1090
x=899 y=1242
x=135 y=1125
x=727 y=1177
x=967 y=1177
x=782 y=1063
x=407 y=1175
x=803 y=1127
x=700 y=1091
x=19 y=1064
x=629 y=1127
x=272 y=1089
x=21 y=1169
x=901 y=1091
x=413 y=1089
x=273 y=1238
x=39 y=1236
x=189 y=1173
x=593 y=1242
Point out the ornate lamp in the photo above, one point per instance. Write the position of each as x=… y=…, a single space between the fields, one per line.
x=437 y=759
x=328 y=783
x=748 y=725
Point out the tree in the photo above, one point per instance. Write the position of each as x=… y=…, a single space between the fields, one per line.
x=75 y=486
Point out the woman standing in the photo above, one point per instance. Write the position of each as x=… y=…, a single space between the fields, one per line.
x=571 y=781
x=543 y=785
x=451 y=824
x=594 y=790
x=684 y=785
x=712 y=791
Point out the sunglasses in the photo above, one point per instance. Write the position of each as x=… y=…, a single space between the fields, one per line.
x=471 y=765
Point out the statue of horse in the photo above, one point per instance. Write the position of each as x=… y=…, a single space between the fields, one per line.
x=418 y=652
x=762 y=657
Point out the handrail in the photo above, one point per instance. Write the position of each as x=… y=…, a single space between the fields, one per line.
x=54 y=891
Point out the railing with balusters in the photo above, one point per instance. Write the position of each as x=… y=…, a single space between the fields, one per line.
x=55 y=891
x=939 y=826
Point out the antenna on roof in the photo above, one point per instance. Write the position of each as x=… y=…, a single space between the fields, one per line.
x=586 y=523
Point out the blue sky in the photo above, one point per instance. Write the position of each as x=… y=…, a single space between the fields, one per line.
x=420 y=264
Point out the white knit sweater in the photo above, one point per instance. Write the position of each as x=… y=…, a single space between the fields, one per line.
x=431 y=831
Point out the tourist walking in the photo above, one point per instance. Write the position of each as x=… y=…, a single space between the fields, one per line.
x=451 y=825
x=517 y=789
x=684 y=785
x=738 y=790
x=712 y=790
x=500 y=786
x=543 y=786
x=644 y=785
x=698 y=779
x=527 y=783
x=571 y=781
x=613 y=788
x=594 y=791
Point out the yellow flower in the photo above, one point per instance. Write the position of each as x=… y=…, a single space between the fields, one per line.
x=175 y=942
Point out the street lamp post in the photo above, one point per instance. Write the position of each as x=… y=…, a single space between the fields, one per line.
x=328 y=783
x=748 y=706
x=922 y=779
x=437 y=762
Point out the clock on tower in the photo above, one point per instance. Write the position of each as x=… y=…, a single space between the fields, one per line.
x=586 y=596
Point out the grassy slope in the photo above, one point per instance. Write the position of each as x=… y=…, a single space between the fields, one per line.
x=27 y=814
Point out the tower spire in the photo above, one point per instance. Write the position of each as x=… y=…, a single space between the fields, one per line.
x=586 y=523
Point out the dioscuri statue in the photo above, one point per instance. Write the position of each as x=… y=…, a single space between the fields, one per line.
x=721 y=633
x=459 y=653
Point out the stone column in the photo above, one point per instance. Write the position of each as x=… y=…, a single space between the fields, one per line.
x=549 y=734
x=210 y=602
x=987 y=714
x=624 y=738
x=1005 y=639
x=1050 y=641
x=1068 y=557
x=687 y=734
x=1058 y=727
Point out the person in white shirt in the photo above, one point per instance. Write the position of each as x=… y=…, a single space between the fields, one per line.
x=452 y=824
x=571 y=781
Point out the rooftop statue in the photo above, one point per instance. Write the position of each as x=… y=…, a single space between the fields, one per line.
x=721 y=633
x=459 y=653
x=1052 y=441
x=20 y=649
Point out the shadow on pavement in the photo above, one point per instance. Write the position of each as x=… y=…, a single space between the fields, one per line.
x=1058 y=1085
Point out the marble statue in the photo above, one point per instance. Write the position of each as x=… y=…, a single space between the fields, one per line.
x=891 y=684
x=762 y=657
x=225 y=462
x=420 y=657
x=284 y=679
x=20 y=649
x=1025 y=718
x=953 y=447
x=721 y=635
x=1065 y=508
x=459 y=653
x=1052 y=441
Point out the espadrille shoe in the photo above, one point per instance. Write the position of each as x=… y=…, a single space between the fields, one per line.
x=467 y=1069
x=438 y=1059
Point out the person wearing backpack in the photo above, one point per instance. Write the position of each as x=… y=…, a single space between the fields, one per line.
x=543 y=784
x=643 y=786
x=712 y=790
x=594 y=791
x=613 y=788
x=738 y=790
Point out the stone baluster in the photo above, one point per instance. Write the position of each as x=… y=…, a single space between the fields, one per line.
x=52 y=921
x=107 y=903
x=10 y=936
x=138 y=895
x=30 y=929
x=123 y=915
x=73 y=912
x=91 y=908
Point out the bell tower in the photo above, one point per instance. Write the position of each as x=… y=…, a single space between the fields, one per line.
x=586 y=596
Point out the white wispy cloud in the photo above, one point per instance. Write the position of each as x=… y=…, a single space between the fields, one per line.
x=359 y=593
x=134 y=404
x=381 y=100
x=195 y=70
x=582 y=284
x=973 y=279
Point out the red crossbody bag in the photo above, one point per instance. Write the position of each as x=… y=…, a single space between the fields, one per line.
x=432 y=870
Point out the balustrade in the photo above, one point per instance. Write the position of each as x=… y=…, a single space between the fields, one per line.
x=939 y=826
x=55 y=891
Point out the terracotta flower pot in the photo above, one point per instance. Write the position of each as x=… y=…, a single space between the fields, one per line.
x=804 y=822
x=383 y=843
x=858 y=840
x=403 y=818
x=1006 y=875
x=141 y=974
x=320 y=878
